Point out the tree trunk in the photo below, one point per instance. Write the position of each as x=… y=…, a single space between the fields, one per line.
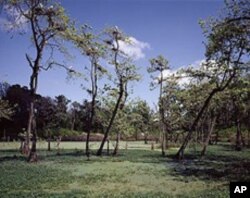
x=152 y=146
x=136 y=134
x=4 y=134
x=58 y=145
x=162 y=116
x=211 y=128
x=87 y=152
x=146 y=138
x=107 y=146
x=163 y=143
x=180 y=153
x=21 y=146
x=242 y=138
x=33 y=155
x=49 y=147
x=176 y=138
x=99 y=152
x=33 y=89
x=238 y=145
x=49 y=140
x=118 y=136
x=93 y=102
x=26 y=146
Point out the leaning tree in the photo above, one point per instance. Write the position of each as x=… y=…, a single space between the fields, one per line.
x=227 y=52
x=124 y=72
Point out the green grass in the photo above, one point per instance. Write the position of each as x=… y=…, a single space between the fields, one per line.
x=136 y=172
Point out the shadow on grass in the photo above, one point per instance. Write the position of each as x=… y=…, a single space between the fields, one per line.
x=221 y=162
x=131 y=155
x=212 y=167
x=12 y=158
x=215 y=166
x=11 y=155
x=9 y=150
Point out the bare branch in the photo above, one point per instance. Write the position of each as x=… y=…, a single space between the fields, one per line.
x=29 y=60
x=60 y=65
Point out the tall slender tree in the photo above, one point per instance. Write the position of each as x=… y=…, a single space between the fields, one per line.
x=48 y=23
x=91 y=47
x=159 y=65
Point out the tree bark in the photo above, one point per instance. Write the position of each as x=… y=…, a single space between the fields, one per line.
x=49 y=142
x=107 y=146
x=49 y=147
x=118 y=136
x=238 y=145
x=146 y=138
x=176 y=138
x=99 y=152
x=21 y=146
x=93 y=102
x=32 y=155
x=211 y=128
x=163 y=145
x=162 y=117
x=32 y=120
x=136 y=134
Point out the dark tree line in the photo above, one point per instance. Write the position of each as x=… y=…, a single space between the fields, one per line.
x=59 y=116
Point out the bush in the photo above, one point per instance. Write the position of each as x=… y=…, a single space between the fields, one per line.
x=63 y=132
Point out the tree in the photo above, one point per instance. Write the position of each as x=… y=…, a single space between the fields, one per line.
x=237 y=98
x=227 y=53
x=213 y=115
x=74 y=111
x=125 y=72
x=46 y=118
x=61 y=113
x=159 y=65
x=6 y=111
x=18 y=97
x=121 y=127
x=4 y=86
x=48 y=23
x=94 y=50
x=140 y=117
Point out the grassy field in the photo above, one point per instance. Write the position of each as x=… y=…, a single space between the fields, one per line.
x=136 y=172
